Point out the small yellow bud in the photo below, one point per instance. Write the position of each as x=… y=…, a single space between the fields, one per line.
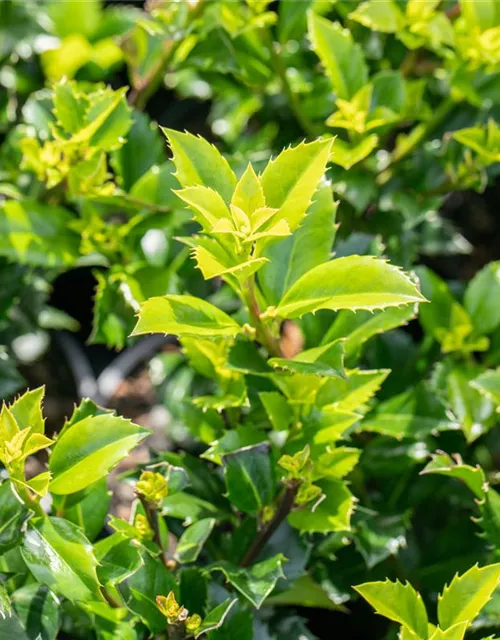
x=268 y=513
x=143 y=529
x=171 y=609
x=153 y=486
x=193 y=622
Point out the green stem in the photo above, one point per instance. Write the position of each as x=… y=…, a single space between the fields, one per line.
x=263 y=333
x=153 y=520
x=418 y=135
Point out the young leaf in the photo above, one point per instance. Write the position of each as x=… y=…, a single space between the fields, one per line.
x=118 y=559
x=290 y=180
x=354 y=282
x=358 y=327
x=198 y=162
x=327 y=360
x=38 y=610
x=88 y=450
x=255 y=583
x=60 y=556
x=250 y=477
x=488 y=384
x=249 y=194
x=342 y=58
x=192 y=540
x=27 y=410
x=215 y=618
x=456 y=632
x=185 y=316
x=413 y=414
x=398 y=602
x=466 y=595
x=332 y=513
x=383 y=15
x=37 y=234
x=482 y=298
x=473 y=477
x=13 y=514
x=310 y=245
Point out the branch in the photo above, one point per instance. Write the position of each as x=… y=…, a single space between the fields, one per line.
x=152 y=517
x=284 y=508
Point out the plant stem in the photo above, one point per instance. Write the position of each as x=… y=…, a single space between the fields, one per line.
x=284 y=508
x=264 y=334
x=152 y=518
x=176 y=632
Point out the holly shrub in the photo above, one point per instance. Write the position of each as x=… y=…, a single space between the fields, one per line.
x=275 y=187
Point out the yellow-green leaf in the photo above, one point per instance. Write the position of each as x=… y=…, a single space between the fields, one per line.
x=184 y=316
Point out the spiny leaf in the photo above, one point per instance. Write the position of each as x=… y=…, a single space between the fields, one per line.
x=290 y=180
x=353 y=282
x=197 y=162
x=88 y=450
x=341 y=57
x=184 y=316
x=466 y=595
x=398 y=602
x=473 y=477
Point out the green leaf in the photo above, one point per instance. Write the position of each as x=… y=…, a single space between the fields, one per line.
x=139 y=591
x=69 y=107
x=190 y=508
x=60 y=556
x=249 y=476
x=325 y=361
x=398 y=602
x=215 y=618
x=358 y=327
x=277 y=409
x=336 y=463
x=382 y=15
x=233 y=440
x=88 y=509
x=347 y=155
x=352 y=393
x=332 y=513
x=482 y=298
x=27 y=410
x=304 y=592
x=38 y=611
x=353 y=282
x=5 y=606
x=89 y=449
x=185 y=316
x=198 y=162
x=37 y=234
x=108 y=120
x=13 y=514
x=255 y=583
x=488 y=384
x=378 y=536
x=473 y=477
x=310 y=245
x=290 y=180
x=466 y=595
x=342 y=58
x=456 y=632
x=412 y=414
x=192 y=540
x=483 y=14
x=143 y=149
x=249 y=194
x=118 y=559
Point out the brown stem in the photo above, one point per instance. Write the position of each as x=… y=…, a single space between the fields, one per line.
x=284 y=508
x=152 y=518
x=264 y=334
x=454 y=12
x=176 y=632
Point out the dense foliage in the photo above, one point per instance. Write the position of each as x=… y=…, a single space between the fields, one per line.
x=333 y=400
